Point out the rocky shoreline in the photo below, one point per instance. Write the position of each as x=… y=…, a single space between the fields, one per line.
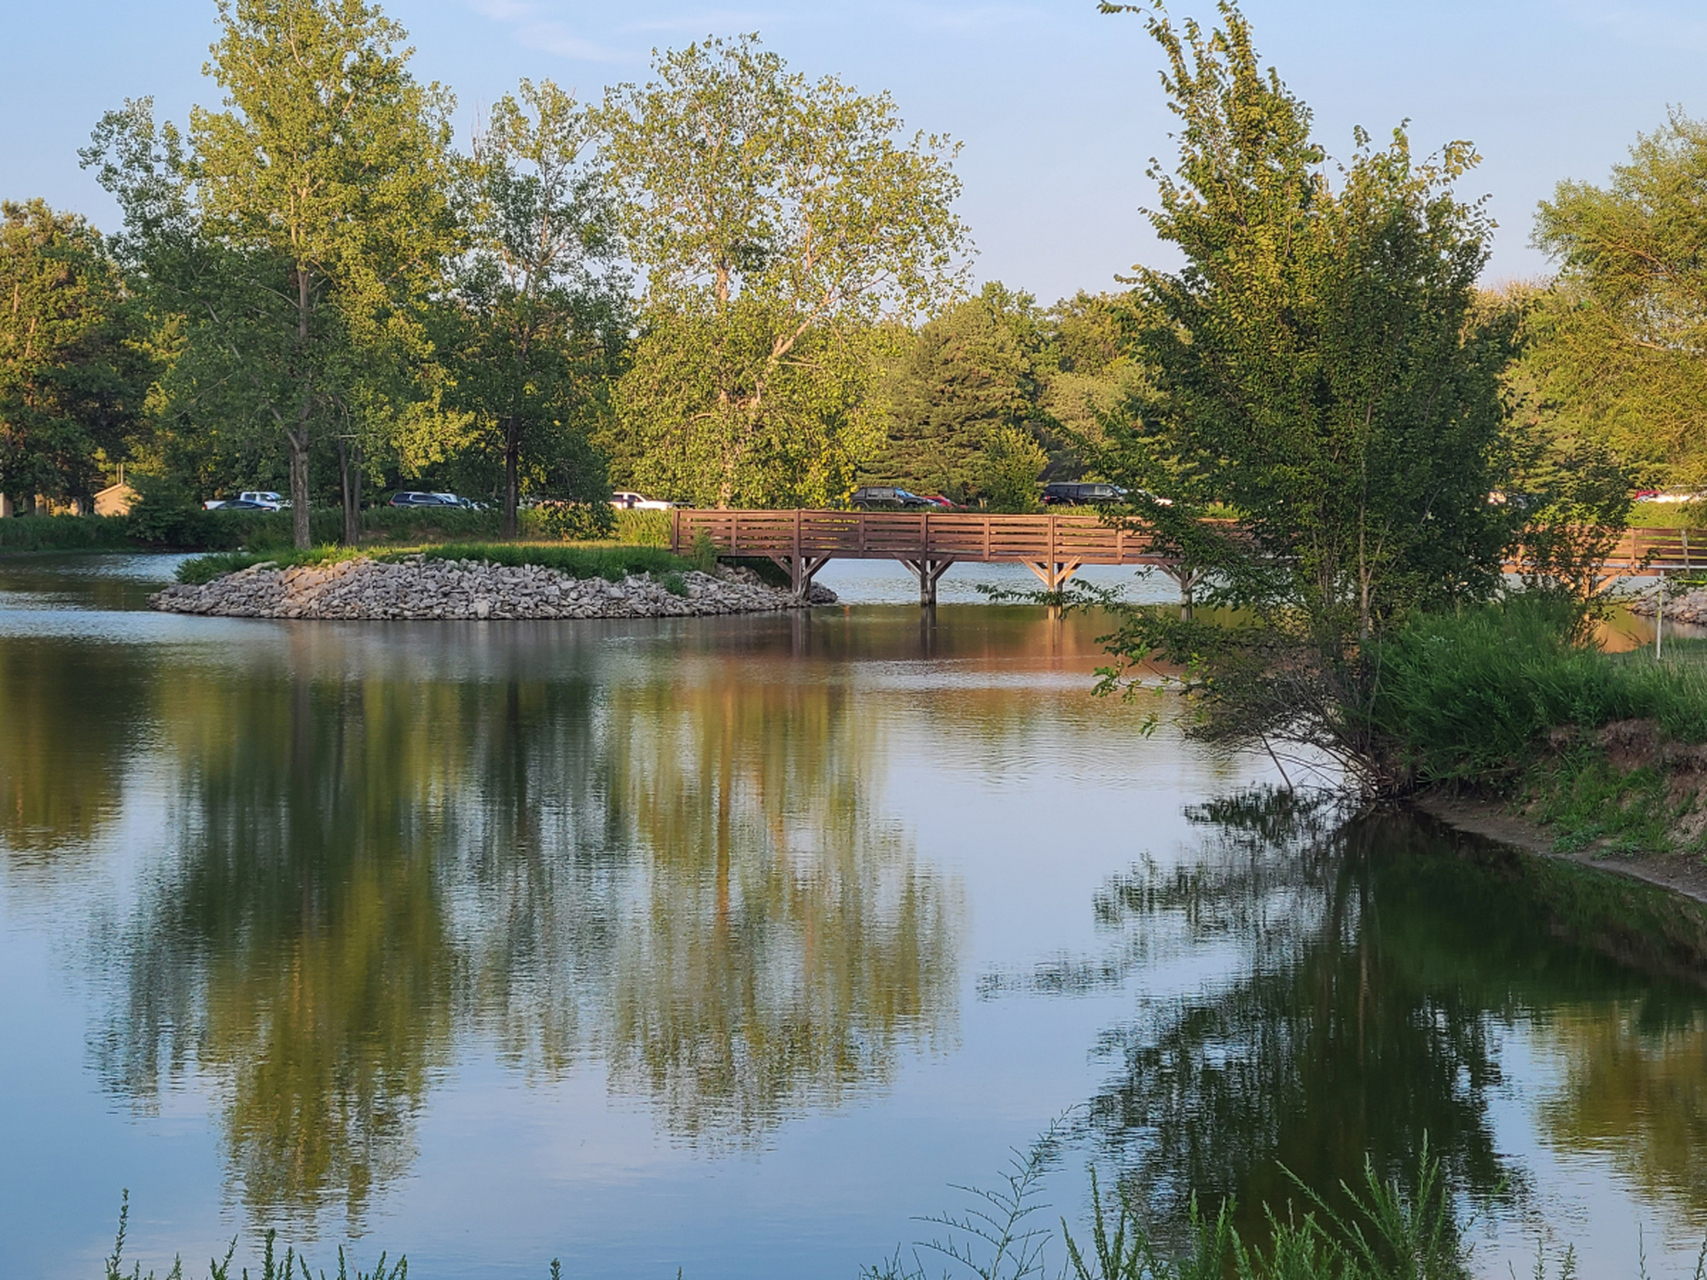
x=1687 y=606
x=474 y=590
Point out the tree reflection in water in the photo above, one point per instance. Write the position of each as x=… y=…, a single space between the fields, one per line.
x=70 y=714
x=690 y=882
x=1380 y=962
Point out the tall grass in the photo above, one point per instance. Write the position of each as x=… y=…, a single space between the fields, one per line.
x=1475 y=696
x=64 y=533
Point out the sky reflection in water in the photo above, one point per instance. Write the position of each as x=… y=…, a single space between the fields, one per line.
x=730 y=945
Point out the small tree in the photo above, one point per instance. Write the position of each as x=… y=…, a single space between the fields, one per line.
x=1318 y=369
x=776 y=221
x=1012 y=463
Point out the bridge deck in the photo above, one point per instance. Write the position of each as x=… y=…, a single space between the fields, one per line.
x=1053 y=546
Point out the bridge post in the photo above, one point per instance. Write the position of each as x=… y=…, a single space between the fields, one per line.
x=928 y=572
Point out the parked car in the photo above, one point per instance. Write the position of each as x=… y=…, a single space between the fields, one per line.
x=413 y=498
x=241 y=504
x=638 y=502
x=263 y=498
x=1081 y=494
x=881 y=497
x=938 y=500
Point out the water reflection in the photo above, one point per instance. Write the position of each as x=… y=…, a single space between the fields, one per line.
x=668 y=871
x=70 y=716
x=1381 y=964
x=1636 y=1089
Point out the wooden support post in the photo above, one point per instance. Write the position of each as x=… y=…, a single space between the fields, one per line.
x=1053 y=573
x=929 y=572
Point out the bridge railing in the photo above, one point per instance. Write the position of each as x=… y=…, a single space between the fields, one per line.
x=1037 y=539
x=909 y=535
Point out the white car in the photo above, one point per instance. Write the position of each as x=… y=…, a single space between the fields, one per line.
x=264 y=497
x=638 y=502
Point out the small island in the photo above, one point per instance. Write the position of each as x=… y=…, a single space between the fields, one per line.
x=419 y=587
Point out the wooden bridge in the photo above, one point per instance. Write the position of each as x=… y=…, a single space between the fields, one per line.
x=1054 y=547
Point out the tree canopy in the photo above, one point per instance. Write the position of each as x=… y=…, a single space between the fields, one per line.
x=777 y=220
x=297 y=230
x=72 y=376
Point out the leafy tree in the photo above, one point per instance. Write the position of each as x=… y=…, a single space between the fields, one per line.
x=1087 y=373
x=1010 y=466
x=545 y=311
x=1317 y=369
x=1620 y=342
x=72 y=377
x=968 y=377
x=296 y=232
x=776 y=222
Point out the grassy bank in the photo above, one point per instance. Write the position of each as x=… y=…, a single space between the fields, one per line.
x=1600 y=749
x=579 y=560
x=196 y=530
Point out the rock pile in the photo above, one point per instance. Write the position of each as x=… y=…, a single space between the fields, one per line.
x=1681 y=606
x=418 y=587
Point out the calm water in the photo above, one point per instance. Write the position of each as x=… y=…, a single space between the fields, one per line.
x=730 y=945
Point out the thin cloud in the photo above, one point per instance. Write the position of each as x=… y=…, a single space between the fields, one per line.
x=505 y=10
x=535 y=31
x=709 y=20
x=554 y=37
x=1646 y=26
x=968 y=20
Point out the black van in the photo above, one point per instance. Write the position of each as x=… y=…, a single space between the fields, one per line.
x=874 y=497
x=1081 y=494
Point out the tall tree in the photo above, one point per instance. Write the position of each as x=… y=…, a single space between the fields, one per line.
x=776 y=222
x=310 y=223
x=1620 y=342
x=546 y=309
x=968 y=375
x=72 y=376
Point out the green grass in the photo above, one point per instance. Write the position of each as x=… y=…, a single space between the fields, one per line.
x=613 y=562
x=1505 y=699
x=1391 y=1229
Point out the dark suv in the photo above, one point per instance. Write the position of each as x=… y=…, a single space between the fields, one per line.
x=1081 y=494
x=887 y=498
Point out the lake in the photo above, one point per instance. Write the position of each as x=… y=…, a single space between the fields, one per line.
x=734 y=945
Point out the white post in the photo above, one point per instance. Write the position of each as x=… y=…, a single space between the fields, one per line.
x=1660 y=617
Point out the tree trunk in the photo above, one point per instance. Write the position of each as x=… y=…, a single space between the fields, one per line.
x=299 y=489
x=299 y=438
x=350 y=474
x=512 y=473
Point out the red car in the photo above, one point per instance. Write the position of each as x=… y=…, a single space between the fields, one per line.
x=937 y=500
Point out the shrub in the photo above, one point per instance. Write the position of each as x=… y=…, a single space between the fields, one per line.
x=64 y=533
x=577 y=521
x=1473 y=696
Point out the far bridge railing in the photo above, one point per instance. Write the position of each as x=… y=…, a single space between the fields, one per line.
x=1052 y=545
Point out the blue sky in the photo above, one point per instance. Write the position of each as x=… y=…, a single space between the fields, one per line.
x=1058 y=107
